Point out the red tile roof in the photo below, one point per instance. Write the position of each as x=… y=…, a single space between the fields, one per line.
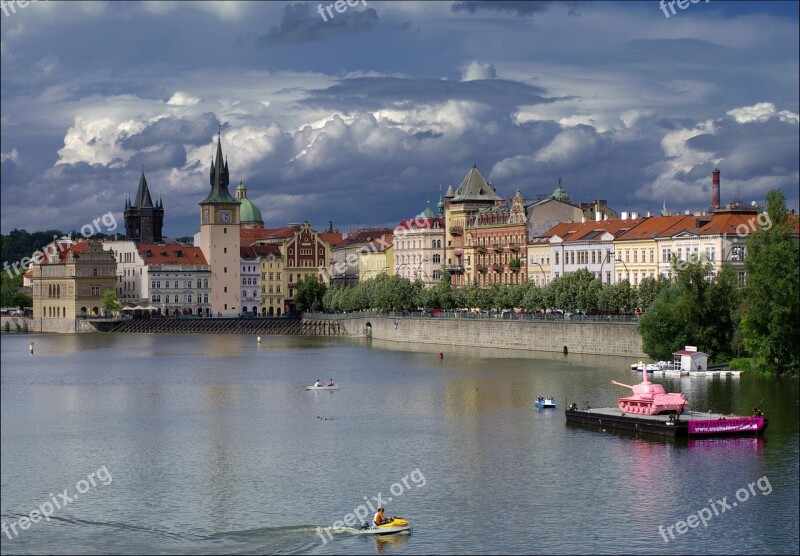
x=64 y=248
x=379 y=245
x=332 y=238
x=254 y=251
x=155 y=254
x=583 y=231
x=660 y=226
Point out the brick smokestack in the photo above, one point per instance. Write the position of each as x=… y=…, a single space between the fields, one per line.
x=715 y=188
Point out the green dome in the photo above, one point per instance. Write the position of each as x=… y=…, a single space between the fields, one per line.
x=248 y=212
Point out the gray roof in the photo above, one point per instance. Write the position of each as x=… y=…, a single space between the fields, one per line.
x=475 y=188
x=143 y=199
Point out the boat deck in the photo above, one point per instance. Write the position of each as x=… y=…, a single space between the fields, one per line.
x=615 y=418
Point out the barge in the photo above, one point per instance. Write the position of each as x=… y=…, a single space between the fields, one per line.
x=690 y=423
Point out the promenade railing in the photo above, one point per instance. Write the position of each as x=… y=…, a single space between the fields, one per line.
x=493 y=315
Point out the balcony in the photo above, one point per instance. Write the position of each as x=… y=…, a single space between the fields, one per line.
x=456 y=230
x=480 y=249
x=514 y=247
x=496 y=267
x=455 y=269
x=480 y=268
x=497 y=247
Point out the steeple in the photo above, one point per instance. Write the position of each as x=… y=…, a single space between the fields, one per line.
x=143 y=199
x=219 y=178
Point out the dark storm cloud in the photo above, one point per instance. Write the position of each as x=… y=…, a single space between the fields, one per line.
x=302 y=23
x=767 y=148
x=166 y=156
x=373 y=93
x=173 y=130
x=520 y=8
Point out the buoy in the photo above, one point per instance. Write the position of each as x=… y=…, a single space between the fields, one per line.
x=259 y=339
x=441 y=355
x=31 y=347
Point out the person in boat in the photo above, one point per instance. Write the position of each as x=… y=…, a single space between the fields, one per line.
x=379 y=518
x=317 y=384
x=330 y=382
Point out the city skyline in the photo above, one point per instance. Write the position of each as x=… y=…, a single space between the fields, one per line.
x=359 y=118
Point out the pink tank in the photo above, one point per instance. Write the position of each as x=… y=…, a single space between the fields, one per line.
x=650 y=399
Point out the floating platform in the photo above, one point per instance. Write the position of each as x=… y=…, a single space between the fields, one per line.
x=690 y=423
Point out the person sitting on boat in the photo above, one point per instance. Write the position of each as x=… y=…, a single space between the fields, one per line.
x=379 y=518
x=317 y=384
x=330 y=382
x=549 y=398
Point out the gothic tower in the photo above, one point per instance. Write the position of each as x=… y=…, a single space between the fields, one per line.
x=220 y=241
x=144 y=221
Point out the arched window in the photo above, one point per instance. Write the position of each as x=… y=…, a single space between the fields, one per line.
x=437 y=259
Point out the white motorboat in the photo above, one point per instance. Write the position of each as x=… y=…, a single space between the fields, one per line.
x=312 y=387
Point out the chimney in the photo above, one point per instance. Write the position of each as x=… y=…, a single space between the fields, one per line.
x=583 y=220
x=634 y=215
x=649 y=214
x=715 y=188
x=624 y=215
x=598 y=216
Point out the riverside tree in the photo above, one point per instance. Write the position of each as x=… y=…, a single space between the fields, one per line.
x=770 y=324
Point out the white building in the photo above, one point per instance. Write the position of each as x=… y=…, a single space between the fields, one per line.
x=419 y=247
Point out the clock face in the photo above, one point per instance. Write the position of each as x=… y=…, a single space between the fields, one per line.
x=225 y=216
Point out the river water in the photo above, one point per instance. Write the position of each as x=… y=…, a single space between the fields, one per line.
x=210 y=444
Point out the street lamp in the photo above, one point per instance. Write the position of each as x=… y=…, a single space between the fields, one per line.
x=540 y=268
x=627 y=272
x=607 y=257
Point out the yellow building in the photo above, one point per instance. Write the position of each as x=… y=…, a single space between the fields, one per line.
x=70 y=283
x=272 y=282
x=376 y=258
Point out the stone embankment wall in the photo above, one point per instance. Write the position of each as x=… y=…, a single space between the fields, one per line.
x=598 y=338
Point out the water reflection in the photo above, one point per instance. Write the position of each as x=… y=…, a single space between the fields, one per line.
x=390 y=543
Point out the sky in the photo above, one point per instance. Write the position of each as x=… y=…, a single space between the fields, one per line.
x=362 y=116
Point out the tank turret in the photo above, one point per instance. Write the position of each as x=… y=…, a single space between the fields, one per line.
x=650 y=399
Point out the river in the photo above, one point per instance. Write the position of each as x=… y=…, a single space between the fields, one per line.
x=210 y=444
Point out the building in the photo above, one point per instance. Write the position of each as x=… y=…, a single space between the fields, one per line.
x=376 y=258
x=343 y=268
x=496 y=239
x=249 y=215
x=70 y=283
x=301 y=252
x=220 y=241
x=639 y=250
x=273 y=292
x=473 y=194
x=144 y=221
x=584 y=245
x=178 y=279
x=251 y=271
x=419 y=246
x=173 y=278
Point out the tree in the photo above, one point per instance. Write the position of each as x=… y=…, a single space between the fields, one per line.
x=697 y=309
x=771 y=313
x=661 y=327
x=110 y=302
x=649 y=288
x=310 y=292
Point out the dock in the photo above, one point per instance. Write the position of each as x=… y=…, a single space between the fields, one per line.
x=690 y=423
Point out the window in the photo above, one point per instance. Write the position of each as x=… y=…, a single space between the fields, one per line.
x=741 y=279
x=166 y=284
x=437 y=259
x=652 y=255
x=278 y=276
x=189 y=298
x=664 y=255
x=205 y=283
x=635 y=256
x=176 y=284
x=627 y=255
x=556 y=257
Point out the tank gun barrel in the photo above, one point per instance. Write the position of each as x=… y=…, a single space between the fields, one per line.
x=621 y=384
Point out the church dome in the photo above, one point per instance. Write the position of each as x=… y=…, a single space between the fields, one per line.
x=248 y=211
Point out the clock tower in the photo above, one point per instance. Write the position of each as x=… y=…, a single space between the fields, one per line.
x=219 y=240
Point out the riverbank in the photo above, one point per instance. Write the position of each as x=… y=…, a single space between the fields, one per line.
x=579 y=337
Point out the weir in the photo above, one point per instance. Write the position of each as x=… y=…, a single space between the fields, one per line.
x=274 y=325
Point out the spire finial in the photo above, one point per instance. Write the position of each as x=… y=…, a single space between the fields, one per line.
x=142 y=165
